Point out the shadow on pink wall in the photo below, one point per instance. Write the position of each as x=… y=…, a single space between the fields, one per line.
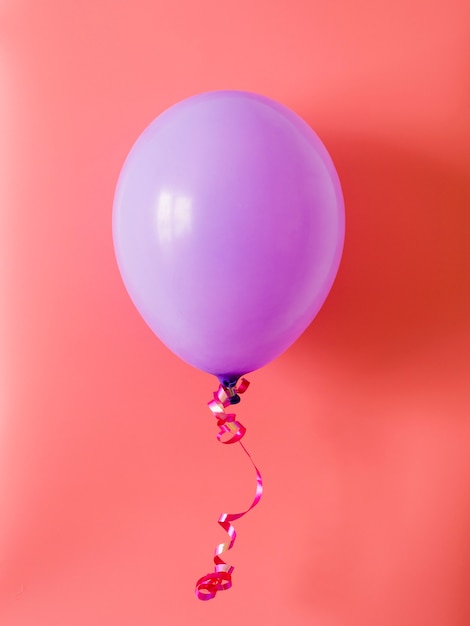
x=391 y=510
x=404 y=276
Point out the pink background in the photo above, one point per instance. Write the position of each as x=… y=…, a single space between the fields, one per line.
x=111 y=479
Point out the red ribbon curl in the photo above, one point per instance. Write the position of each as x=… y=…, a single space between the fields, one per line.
x=221 y=578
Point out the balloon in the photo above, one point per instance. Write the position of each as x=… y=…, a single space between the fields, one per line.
x=228 y=227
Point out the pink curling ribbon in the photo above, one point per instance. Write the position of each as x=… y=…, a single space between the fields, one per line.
x=221 y=578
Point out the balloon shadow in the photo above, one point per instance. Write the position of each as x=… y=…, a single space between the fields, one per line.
x=403 y=280
x=402 y=289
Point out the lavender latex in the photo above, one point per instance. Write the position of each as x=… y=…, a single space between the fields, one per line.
x=228 y=228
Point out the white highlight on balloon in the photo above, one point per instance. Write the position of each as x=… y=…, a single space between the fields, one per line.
x=173 y=216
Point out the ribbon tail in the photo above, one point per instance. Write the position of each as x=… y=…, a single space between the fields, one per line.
x=221 y=578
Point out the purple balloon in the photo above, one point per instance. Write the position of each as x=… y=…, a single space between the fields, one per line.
x=228 y=228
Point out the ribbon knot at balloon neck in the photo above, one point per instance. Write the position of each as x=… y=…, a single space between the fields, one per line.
x=221 y=579
x=231 y=430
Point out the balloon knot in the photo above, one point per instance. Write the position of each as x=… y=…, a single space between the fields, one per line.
x=231 y=391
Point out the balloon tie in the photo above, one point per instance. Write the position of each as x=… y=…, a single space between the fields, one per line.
x=231 y=431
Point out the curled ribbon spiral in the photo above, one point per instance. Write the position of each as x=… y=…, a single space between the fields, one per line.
x=231 y=431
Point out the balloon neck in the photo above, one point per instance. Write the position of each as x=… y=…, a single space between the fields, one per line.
x=229 y=384
x=228 y=381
